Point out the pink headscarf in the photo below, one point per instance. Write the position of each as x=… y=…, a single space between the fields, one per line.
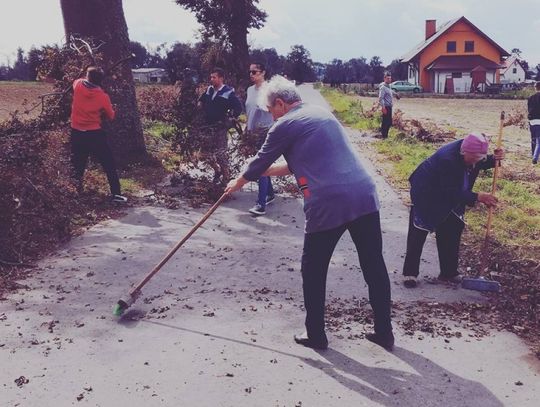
x=474 y=143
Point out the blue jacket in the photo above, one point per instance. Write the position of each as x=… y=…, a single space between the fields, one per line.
x=217 y=109
x=443 y=184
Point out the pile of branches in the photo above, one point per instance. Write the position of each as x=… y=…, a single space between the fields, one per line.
x=427 y=132
x=157 y=103
x=36 y=192
x=516 y=117
x=195 y=142
x=38 y=198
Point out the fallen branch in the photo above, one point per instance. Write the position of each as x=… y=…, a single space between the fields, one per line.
x=13 y=264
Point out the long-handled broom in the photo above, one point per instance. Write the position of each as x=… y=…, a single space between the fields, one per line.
x=480 y=282
x=127 y=300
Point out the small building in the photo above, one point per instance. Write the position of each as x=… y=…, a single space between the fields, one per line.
x=150 y=75
x=455 y=57
x=513 y=72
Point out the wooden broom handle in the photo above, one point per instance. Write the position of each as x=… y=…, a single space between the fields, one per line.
x=493 y=190
x=178 y=245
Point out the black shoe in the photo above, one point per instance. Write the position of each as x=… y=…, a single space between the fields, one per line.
x=410 y=282
x=257 y=210
x=387 y=341
x=303 y=339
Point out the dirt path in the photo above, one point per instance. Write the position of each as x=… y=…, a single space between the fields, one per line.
x=215 y=327
x=21 y=96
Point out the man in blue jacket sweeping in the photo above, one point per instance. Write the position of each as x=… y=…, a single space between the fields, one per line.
x=441 y=187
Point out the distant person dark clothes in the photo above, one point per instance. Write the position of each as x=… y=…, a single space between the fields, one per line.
x=441 y=188
x=386 y=101
x=533 y=107
x=90 y=103
x=219 y=103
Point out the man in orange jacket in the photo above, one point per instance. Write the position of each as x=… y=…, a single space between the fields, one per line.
x=90 y=102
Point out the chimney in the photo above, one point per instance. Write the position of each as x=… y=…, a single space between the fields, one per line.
x=430 y=28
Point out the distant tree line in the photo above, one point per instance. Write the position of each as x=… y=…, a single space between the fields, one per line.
x=200 y=57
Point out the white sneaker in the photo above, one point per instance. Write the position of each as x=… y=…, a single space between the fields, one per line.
x=119 y=199
x=257 y=210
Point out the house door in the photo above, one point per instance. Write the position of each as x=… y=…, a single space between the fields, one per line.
x=449 y=85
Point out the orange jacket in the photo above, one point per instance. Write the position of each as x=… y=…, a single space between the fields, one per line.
x=89 y=102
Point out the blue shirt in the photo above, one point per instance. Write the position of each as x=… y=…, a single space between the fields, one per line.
x=336 y=187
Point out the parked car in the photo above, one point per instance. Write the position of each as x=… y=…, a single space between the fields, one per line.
x=404 y=86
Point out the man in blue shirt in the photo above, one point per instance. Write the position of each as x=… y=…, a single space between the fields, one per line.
x=339 y=196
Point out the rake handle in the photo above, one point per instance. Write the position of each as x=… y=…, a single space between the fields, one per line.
x=493 y=191
x=210 y=211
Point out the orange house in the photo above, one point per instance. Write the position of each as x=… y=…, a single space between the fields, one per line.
x=456 y=57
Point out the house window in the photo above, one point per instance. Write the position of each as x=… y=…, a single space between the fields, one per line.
x=469 y=46
x=450 y=46
x=457 y=74
x=514 y=70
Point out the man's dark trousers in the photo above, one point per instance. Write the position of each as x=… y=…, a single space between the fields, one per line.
x=318 y=248
x=386 y=122
x=93 y=143
x=448 y=237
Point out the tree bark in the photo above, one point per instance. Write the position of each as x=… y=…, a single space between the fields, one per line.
x=104 y=21
x=238 y=30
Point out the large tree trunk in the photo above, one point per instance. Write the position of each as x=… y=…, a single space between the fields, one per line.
x=238 y=30
x=103 y=20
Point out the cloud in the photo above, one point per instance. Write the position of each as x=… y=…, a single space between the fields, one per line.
x=162 y=21
x=25 y=23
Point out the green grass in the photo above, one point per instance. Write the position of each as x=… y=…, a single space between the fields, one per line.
x=159 y=130
x=130 y=185
x=521 y=93
x=350 y=111
x=404 y=154
x=516 y=220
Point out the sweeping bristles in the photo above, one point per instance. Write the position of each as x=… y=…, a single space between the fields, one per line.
x=481 y=284
x=118 y=310
x=121 y=306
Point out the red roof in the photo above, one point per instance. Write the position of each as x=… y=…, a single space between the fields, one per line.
x=462 y=63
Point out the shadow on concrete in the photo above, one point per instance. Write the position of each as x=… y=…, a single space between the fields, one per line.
x=429 y=384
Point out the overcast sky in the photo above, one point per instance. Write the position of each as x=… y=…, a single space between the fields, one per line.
x=327 y=28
